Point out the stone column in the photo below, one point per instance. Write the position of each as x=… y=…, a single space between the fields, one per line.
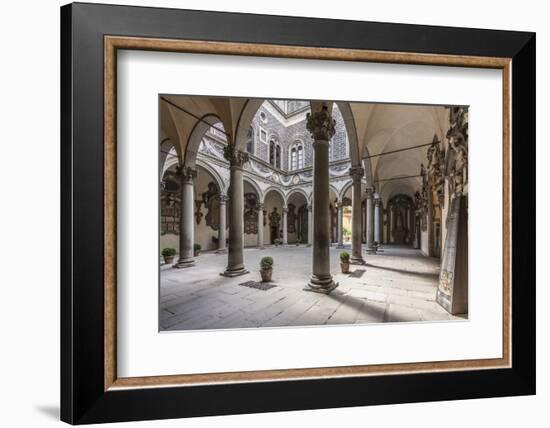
x=261 y=226
x=321 y=125
x=222 y=224
x=377 y=222
x=370 y=220
x=235 y=258
x=285 y=225
x=309 y=225
x=356 y=174
x=186 y=176
x=364 y=223
x=340 y=225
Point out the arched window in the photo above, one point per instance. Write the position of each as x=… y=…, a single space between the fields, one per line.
x=300 y=157
x=250 y=140
x=274 y=154
x=296 y=157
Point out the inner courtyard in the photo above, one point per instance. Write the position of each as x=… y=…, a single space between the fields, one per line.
x=395 y=286
x=305 y=183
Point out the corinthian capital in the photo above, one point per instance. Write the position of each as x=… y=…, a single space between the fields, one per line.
x=356 y=173
x=321 y=125
x=234 y=156
x=369 y=192
x=185 y=173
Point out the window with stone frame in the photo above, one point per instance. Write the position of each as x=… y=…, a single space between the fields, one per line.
x=296 y=157
x=263 y=135
x=300 y=157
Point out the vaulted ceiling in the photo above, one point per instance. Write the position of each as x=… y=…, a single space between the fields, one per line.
x=372 y=129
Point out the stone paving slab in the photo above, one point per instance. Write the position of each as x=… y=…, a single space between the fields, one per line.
x=398 y=285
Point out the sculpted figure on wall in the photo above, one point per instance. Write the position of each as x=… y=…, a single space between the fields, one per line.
x=250 y=214
x=274 y=218
x=457 y=160
x=212 y=205
x=424 y=198
x=436 y=165
x=291 y=218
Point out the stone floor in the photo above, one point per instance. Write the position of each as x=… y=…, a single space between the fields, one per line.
x=397 y=285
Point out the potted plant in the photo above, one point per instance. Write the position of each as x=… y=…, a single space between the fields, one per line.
x=266 y=268
x=196 y=249
x=344 y=261
x=168 y=254
x=277 y=241
x=298 y=241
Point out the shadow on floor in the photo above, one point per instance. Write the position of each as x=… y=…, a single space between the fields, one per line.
x=357 y=273
x=405 y=271
x=363 y=306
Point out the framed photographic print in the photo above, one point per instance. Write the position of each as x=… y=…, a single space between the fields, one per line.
x=266 y=213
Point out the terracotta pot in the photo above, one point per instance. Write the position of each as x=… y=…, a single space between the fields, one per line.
x=344 y=267
x=266 y=274
x=168 y=259
x=196 y=253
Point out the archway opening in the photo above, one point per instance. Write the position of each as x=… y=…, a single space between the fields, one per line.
x=297 y=218
x=273 y=205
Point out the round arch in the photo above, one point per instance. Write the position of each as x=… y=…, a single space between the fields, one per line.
x=351 y=131
x=345 y=189
x=196 y=136
x=252 y=106
x=276 y=190
x=334 y=190
x=248 y=112
x=256 y=188
x=300 y=191
x=168 y=156
x=215 y=175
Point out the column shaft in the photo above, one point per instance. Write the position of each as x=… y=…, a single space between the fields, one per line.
x=321 y=125
x=186 y=176
x=261 y=226
x=370 y=221
x=356 y=230
x=235 y=257
x=285 y=225
x=377 y=223
x=340 y=225
x=309 y=225
x=222 y=224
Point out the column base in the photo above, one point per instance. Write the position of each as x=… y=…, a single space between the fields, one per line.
x=318 y=285
x=371 y=250
x=221 y=251
x=184 y=263
x=357 y=260
x=340 y=246
x=232 y=272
